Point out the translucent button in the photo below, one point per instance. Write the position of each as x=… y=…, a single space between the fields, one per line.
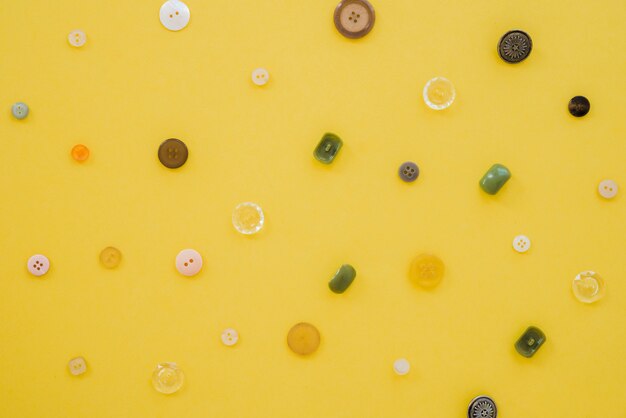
x=521 y=243
x=327 y=149
x=19 y=110
x=77 y=366
x=80 y=153
x=260 y=76
x=439 y=93
x=248 y=218
x=401 y=366
x=110 y=257
x=494 y=179
x=342 y=279
x=530 y=341
x=174 y=15
x=426 y=270
x=303 y=338
x=588 y=287
x=188 y=262
x=38 y=265
x=482 y=407
x=77 y=38
x=607 y=189
x=167 y=378
x=230 y=337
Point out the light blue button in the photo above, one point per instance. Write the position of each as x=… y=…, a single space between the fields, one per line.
x=19 y=110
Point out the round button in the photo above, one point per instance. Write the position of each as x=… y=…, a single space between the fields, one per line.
x=173 y=153
x=174 y=15
x=401 y=366
x=354 y=18
x=439 y=93
x=110 y=257
x=80 y=153
x=482 y=407
x=248 y=218
x=167 y=378
x=521 y=243
x=188 y=262
x=230 y=337
x=77 y=366
x=515 y=46
x=409 y=171
x=260 y=76
x=38 y=265
x=303 y=338
x=579 y=106
x=588 y=287
x=607 y=189
x=19 y=110
x=77 y=38
x=426 y=270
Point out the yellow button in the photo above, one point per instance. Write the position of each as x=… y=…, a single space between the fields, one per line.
x=110 y=257
x=426 y=270
x=303 y=338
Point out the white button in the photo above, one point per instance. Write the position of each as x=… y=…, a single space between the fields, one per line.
x=38 y=265
x=174 y=15
x=521 y=243
x=77 y=366
x=401 y=366
x=188 y=262
x=77 y=38
x=607 y=189
x=230 y=337
x=260 y=76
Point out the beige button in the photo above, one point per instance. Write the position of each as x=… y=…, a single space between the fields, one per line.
x=230 y=337
x=77 y=38
x=77 y=366
x=607 y=189
x=303 y=338
x=354 y=18
x=521 y=243
x=110 y=257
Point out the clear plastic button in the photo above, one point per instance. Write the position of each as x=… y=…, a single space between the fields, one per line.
x=248 y=218
x=77 y=38
x=167 y=378
x=588 y=287
x=401 y=366
x=77 y=366
x=439 y=93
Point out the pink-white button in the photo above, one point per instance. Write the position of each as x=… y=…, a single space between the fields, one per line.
x=38 y=265
x=188 y=262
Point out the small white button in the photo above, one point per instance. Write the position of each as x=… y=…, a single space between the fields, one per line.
x=521 y=243
x=77 y=38
x=401 y=366
x=260 y=76
x=230 y=337
x=188 y=262
x=607 y=189
x=174 y=15
x=77 y=366
x=38 y=265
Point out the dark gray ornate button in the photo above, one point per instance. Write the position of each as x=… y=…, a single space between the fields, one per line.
x=515 y=46
x=354 y=18
x=173 y=153
x=579 y=106
x=482 y=407
x=409 y=171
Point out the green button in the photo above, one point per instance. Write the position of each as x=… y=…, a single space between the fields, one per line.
x=328 y=148
x=530 y=341
x=495 y=178
x=342 y=279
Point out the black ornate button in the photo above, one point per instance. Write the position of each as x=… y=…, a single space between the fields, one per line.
x=579 y=106
x=515 y=46
x=482 y=407
x=173 y=153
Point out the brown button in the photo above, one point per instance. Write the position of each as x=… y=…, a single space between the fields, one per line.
x=303 y=338
x=173 y=153
x=354 y=18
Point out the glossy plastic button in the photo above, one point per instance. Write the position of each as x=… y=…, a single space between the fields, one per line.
x=260 y=76
x=426 y=270
x=515 y=46
x=303 y=338
x=19 y=110
x=401 y=366
x=588 y=287
x=495 y=178
x=354 y=18
x=230 y=337
x=167 y=378
x=327 y=149
x=607 y=189
x=77 y=366
x=521 y=243
x=439 y=93
x=409 y=171
x=80 y=153
x=579 y=106
x=174 y=15
x=482 y=407
x=38 y=265
x=342 y=279
x=173 y=153
x=248 y=218
x=188 y=262
x=110 y=257
x=77 y=38
x=530 y=341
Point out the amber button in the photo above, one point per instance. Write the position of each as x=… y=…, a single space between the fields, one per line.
x=173 y=153
x=110 y=257
x=426 y=270
x=354 y=18
x=303 y=338
x=80 y=153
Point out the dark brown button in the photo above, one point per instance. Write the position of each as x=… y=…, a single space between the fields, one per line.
x=515 y=46
x=354 y=18
x=579 y=106
x=173 y=153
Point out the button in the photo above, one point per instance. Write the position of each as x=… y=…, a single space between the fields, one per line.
x=426 y=270
x=260 y=76
x=588 y=287
x=439 y=93
x=167 y=378
x=342 y=279
x=77 y=38
x=327 y=149
x=409 y=171
x=174 y=15
x=173 y=153
x=77 y=366
x=607 y=189
x=354 y=18
x=110 y=257
x=515 y=46
x=19 y=110
x=579 y=106
x=248 y=218
x=80 y=153
x=230 y=337
x=521 y=243
x=482 y=407
x=401 y=366
x=530 y=341
x=38 y=265
x=303 y=338
x=495 y=178
x=188 y=262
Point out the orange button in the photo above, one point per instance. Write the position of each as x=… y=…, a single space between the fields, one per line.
x=80 y=153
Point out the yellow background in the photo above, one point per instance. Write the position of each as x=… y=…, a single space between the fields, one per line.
x=134 y=84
